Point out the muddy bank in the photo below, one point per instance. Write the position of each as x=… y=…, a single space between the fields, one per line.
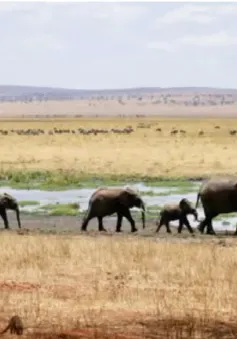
x=70 y=226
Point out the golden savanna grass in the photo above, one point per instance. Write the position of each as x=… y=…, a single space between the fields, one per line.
x=145 y=152
x=64 y=283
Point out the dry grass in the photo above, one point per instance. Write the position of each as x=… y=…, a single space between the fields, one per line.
x=66 y=283
x=144 y=152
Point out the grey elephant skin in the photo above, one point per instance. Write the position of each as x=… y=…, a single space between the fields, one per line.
x=8 y=202
x=107 y=201
x=218 y=195
x=177 y=212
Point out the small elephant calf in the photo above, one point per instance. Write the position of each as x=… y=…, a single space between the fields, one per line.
x=177 y=212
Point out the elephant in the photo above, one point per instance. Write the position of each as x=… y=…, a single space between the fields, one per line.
x=218 y=195
x=9 y=202
x=177 y=212
x=107 y=201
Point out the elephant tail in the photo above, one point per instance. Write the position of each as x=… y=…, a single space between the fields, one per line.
x=87 y=212
x=198 y=196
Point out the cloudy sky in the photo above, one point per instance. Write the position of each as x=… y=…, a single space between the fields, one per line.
x=116 y=45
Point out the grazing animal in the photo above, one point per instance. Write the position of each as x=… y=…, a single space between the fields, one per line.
x=218 y=195
x=15 y=326
x=232 y=132
x=9 y=202
x=177 y=212
x=107 y=201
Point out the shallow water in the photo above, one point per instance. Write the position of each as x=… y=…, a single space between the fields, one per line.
x=82 y=196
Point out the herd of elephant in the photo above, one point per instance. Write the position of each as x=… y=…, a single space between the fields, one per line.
x=217 y=194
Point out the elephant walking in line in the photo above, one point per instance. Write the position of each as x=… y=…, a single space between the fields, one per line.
x=8 y=202
x=107 y=201
x=177 y=212
x=218 y=195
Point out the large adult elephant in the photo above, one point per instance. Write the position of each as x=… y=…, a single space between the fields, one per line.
x=107 y=201
x=218 y=195
x=9 y=202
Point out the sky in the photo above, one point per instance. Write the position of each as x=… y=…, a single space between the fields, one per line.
x=118 y=45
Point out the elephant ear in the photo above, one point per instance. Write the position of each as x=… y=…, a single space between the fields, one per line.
x=126 y=197
x=4 y=200
x=185 y=205
x=7 y=200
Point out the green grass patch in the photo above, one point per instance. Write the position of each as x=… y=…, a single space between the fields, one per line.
x=184 y=190
x=173 y=184
x=177 y=190
x=152 y=212
x=62 y=209
x=61 y=179
x=153 y=193
x=23 y=203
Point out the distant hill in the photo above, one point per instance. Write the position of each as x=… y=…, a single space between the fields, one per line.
x=30 y=93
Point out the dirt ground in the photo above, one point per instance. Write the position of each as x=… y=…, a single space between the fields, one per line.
x=70 y=226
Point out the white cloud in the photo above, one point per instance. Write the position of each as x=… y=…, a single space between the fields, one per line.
x=7 y=6
x=121 y=12
x=227 y=9
x=112 y=12
x=160 y=45
x=212 y=40
x=41 y=42
x=202 y=14
x=186 y=13
x=221 y=39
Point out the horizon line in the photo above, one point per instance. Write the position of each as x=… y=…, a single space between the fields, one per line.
x=119 y=88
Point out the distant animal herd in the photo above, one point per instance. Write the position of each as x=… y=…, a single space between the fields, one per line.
x=217 y=194
x=97 y=131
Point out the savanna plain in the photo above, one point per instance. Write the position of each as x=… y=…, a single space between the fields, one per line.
x=127 y=285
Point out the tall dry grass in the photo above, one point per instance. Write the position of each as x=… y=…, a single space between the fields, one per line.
x=61 y=283
x=145 y=152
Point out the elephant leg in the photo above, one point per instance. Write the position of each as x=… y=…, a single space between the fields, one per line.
x=127 y=215
x=187 y=224
x=119 y=222
x=210 y=229
x=167 y=224
x=181 y=221
x=100 y=223
x=4 y=217
x=161 y=222
x=202 y=225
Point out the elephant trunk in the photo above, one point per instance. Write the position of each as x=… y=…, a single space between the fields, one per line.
x=143 y=214
x=18 y=217
x=198 y=196
x=195 y=215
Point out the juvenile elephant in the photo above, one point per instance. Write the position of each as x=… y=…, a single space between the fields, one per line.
x=218 y=195
x=107 y=201
x=8 y=202
x=177 y=212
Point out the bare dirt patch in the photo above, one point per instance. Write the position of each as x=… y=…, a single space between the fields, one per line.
x=18 y=286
